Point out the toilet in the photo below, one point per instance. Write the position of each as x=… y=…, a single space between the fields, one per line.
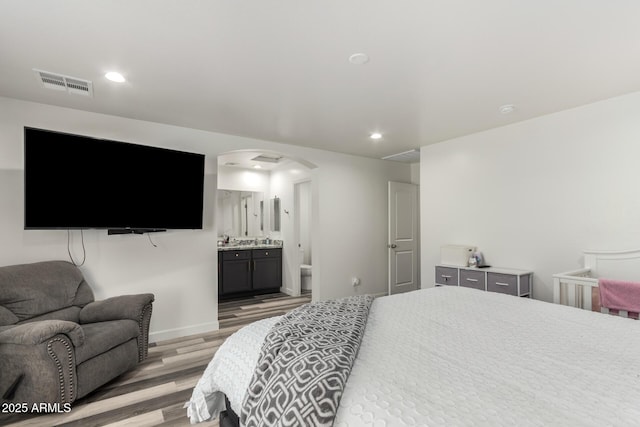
x=305 y=273
x=305 y=277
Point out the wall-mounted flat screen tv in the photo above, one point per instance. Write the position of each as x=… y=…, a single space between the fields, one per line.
x=79 y=182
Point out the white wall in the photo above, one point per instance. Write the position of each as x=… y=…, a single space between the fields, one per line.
x=231 y=178
x=282 y=182
x=349 y=193
x=304 y=212
x=352 y=201
x=415 y=173
x=415 y=179
x=178 y=268
x=535 y=194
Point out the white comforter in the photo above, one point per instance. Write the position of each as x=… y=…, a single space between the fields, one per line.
x=455 y=356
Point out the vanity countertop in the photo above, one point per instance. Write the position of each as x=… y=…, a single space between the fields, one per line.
x=231 y=247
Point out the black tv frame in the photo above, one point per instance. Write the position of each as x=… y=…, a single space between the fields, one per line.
x=111 y=230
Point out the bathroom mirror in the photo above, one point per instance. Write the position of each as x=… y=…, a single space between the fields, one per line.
x=240 y=213
x=275 y=214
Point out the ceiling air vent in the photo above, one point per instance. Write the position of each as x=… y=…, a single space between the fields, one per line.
x=70 y=84
x=411 y=156
x=267 y=158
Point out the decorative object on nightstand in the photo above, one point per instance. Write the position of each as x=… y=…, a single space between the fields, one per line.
x=457 y=255
x=473 y=262
x=479 y=259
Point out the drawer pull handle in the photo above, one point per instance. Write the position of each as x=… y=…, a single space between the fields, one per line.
x=472 y=280
x=445 y=277
x=237 y=254
x=502 y=284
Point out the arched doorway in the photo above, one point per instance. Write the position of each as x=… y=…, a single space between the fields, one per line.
x=265 y=197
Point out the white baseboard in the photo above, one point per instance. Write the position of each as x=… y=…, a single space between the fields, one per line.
x=286 y=291
x=168 y=334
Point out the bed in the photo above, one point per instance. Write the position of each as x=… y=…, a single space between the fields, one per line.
x=459 y=356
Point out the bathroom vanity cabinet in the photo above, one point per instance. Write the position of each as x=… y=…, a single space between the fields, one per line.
x=250 y=271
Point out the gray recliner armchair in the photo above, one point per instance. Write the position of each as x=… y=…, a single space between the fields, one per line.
x=56 y=343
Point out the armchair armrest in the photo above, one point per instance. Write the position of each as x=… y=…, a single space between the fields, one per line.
x=33 y=333
x=116 y=308
x=37 y=361
x=135 y=307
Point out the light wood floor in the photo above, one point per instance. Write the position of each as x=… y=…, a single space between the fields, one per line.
x=155 y=392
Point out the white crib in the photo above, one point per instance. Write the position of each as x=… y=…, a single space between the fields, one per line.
x=576 y=288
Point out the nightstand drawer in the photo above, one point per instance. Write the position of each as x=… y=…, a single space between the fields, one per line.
x=502 y=283
x=472 y=279
x=447 y=276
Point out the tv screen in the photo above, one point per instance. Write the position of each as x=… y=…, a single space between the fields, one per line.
x=77 y=182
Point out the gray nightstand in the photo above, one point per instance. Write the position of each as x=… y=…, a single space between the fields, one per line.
x=503 y=280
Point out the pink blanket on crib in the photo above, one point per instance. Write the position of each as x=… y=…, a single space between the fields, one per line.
x=619 y=294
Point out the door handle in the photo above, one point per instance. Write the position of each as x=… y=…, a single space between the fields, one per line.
x=392 y=246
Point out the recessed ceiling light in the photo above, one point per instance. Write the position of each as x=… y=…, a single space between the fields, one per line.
x=257 y=167
x=115 y=77
x=507 y=108
x=375 y=135
x=359 y=58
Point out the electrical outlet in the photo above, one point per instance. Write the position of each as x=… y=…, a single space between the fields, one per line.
x=355 y=281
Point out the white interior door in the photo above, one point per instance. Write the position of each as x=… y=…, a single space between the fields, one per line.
x=403 y=237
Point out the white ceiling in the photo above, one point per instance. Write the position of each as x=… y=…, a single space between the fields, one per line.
x=247 y=160
x=279 y=70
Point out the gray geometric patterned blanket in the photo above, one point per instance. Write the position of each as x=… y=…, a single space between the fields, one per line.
x=304 y=364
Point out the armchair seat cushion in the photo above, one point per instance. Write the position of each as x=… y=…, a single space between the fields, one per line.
x=101 y=337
